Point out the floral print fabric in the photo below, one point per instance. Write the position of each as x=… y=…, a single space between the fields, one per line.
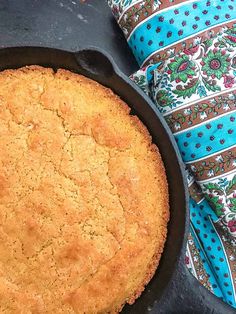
x=189 y=52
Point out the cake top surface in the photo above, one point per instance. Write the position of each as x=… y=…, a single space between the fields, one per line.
x=83 y=196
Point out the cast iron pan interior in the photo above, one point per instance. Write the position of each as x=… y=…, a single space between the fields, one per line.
x=166 y=284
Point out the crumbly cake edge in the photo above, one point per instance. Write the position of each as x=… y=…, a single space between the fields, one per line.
x=154 y=263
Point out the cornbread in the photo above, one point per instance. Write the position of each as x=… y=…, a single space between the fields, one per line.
x=83 y=196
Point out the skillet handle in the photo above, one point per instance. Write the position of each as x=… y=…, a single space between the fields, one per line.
x=95 y=63
x=186 y=295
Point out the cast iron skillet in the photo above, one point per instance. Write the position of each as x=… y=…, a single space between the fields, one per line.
x=173 y=289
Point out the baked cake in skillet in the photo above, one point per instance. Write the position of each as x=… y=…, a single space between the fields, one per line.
x=83 y=196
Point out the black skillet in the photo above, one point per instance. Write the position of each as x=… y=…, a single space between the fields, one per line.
x=173 y=289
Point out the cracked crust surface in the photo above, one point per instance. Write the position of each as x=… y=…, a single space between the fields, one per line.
x=83 y=196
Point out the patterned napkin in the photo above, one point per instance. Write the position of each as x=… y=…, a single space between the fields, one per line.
x=187 y=56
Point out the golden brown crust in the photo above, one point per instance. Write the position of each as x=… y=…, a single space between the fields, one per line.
x=83 y=196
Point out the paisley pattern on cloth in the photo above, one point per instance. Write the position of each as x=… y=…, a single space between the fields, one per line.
x=187 y=54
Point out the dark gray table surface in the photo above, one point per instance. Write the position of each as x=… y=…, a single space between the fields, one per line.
x=64 y=24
